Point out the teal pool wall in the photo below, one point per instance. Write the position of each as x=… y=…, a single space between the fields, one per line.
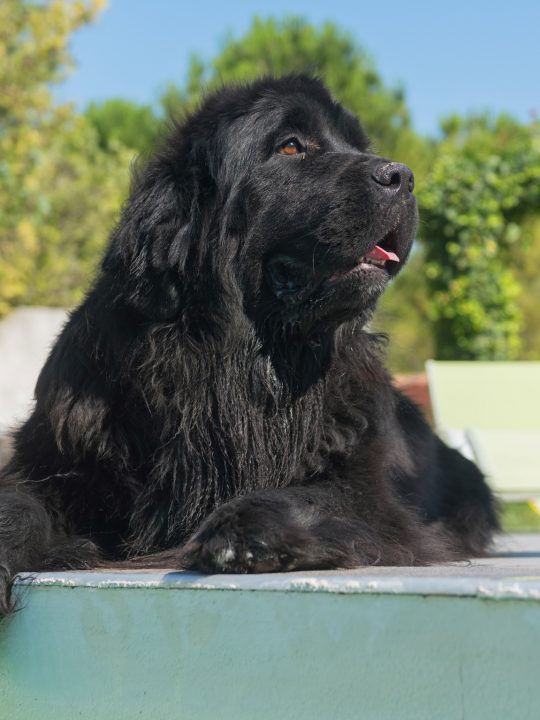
x=123 y=653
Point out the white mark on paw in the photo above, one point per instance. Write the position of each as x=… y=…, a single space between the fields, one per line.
x=225 y=556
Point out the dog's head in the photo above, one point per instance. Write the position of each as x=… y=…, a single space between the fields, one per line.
x=271 y=188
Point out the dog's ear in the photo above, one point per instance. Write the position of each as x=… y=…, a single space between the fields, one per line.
x=160 y=233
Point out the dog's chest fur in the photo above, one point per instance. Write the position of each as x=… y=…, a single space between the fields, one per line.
x=242 y=430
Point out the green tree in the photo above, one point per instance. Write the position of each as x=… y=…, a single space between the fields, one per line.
x=83 y=189
x=121 y=121
x=59 y=193
x=528 y=277
x=485 y=179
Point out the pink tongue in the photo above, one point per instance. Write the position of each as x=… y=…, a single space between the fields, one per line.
x=379 y=253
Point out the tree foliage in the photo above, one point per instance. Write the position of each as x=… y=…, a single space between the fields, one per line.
x=528 y=278
x=82 y=190
x=58 y=191
x=485 y=179
x=124 y=122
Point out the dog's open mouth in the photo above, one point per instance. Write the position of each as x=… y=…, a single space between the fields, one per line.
x=290 y=278
x=382 y=256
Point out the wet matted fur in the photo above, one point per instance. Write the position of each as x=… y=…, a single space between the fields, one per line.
x=216 y=401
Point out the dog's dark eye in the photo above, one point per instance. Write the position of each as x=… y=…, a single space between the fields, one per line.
x=292 y=146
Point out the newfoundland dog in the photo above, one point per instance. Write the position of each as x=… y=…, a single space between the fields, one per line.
x=217 y=402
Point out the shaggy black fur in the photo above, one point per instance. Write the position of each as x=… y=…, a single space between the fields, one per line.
x=216 y=401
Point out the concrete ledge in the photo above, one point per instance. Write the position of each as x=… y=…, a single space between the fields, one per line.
x=512 y=572
x=440 y=643
x=515 y=587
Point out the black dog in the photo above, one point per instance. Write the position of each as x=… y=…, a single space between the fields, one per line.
x=216 y=399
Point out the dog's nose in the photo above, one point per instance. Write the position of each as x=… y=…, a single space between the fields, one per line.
x=394 y=176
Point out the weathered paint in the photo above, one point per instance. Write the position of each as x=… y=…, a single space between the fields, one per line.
x=104 y=647
x=455 y=581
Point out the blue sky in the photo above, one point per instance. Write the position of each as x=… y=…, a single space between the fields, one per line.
x=449 y=56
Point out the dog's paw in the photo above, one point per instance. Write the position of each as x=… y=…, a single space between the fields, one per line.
x=246 y=536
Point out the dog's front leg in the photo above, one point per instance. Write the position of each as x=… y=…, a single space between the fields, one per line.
x=295 y=528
